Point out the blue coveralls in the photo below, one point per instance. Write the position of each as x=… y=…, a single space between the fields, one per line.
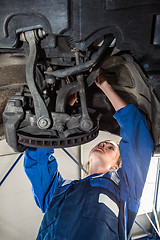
x=101 y=206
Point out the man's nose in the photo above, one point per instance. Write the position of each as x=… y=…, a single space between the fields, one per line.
x=102 y=144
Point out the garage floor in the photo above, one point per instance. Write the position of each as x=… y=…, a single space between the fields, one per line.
x=19 y=216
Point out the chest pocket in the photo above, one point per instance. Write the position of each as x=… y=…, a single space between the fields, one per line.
x=101 y=204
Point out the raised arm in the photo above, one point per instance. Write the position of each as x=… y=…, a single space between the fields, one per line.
x=136 y=146
x=42 y=170
x=115 y=100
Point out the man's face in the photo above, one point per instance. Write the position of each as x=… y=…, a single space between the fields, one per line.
x=103 y=157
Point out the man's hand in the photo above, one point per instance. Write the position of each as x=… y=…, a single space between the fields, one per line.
x=101 y=79
x=116 y=101
x=72 y=99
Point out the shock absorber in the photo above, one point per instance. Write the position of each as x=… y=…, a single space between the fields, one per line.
x=71 y=43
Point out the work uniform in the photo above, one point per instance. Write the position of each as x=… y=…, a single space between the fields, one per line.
x=100 y=206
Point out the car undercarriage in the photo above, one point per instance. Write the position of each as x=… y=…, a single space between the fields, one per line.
x=53 y=49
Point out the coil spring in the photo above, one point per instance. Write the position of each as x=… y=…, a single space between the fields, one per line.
x=71 y=43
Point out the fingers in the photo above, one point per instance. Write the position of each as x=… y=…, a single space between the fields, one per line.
x=100 y=77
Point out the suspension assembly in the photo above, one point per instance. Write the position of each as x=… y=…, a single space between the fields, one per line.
x=39 y=115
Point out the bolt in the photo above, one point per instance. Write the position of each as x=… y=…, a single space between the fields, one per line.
x=41 y=33
x=43 y=122
x=83 y=44
x=86 y=124
x=50 y=79
x=49 y=69
x=22 y=37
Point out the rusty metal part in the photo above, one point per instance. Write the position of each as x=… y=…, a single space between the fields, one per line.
x=50 y=142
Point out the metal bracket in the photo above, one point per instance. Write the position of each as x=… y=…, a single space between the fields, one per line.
x=86 y=123
x=43 y=119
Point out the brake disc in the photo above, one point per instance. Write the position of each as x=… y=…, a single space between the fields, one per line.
x=50 y=142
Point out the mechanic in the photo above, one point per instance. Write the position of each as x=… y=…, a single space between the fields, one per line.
x=104 y=204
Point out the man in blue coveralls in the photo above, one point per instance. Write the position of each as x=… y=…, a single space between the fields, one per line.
x=104 y=204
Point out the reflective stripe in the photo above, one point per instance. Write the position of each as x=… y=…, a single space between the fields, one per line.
x=115 y=177
x=101 y=175
x=66 y=182
x=109 y=203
